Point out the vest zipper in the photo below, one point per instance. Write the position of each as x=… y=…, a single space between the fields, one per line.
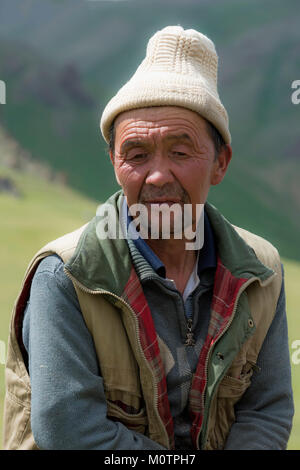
x=189 y=335
x=189 y=341
x=244 y=286
x=95 y=292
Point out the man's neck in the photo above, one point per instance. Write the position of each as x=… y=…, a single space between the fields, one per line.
x=178 y=261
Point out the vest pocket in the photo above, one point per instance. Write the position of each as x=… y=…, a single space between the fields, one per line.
x=230 y=391
x=119 y=411
x=17 y=431
x=233 y=388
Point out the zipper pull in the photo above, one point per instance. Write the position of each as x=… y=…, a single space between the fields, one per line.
x=189 y=341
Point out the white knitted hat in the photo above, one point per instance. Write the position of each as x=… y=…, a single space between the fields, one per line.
x=180 y=69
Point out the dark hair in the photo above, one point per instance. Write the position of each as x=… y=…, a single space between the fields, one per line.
x=217 y=139
x=111 y=138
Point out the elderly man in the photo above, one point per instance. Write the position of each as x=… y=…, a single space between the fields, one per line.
x=132 y=342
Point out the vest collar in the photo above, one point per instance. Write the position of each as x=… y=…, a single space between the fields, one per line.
x=105 y=264
x=235 y=254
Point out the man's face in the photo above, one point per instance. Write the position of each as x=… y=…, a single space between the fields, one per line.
x=165 y=155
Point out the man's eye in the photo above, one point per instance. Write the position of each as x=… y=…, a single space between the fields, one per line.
x=179 y=154
x=138 y=156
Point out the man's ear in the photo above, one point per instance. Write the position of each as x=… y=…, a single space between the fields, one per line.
x=221 y=164
x=112 y=158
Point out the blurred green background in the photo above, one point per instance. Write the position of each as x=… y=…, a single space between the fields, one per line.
x=61 y=61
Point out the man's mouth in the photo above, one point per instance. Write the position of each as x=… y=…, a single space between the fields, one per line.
x=168 y=194
x=162 y=201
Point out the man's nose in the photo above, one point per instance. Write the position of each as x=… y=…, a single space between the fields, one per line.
x=160 y=172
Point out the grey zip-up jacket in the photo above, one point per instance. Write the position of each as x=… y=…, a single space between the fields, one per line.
x=246 y=293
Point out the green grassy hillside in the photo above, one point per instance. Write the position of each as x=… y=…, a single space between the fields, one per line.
x=44 y=212
x=292 y=282
x=62 y=61
x=48 y=210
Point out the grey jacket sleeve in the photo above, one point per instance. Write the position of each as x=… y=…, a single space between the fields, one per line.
x=68 y=401
x=264 y=414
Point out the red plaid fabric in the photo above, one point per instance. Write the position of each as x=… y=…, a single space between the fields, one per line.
x=226 y=289
x=134 y=295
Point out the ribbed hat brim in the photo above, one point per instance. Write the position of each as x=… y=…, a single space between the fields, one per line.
x=159 y=91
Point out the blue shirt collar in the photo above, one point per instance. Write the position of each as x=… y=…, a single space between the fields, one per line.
x=207 y=256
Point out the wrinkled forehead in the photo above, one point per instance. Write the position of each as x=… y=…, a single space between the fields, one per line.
x=159 y=117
